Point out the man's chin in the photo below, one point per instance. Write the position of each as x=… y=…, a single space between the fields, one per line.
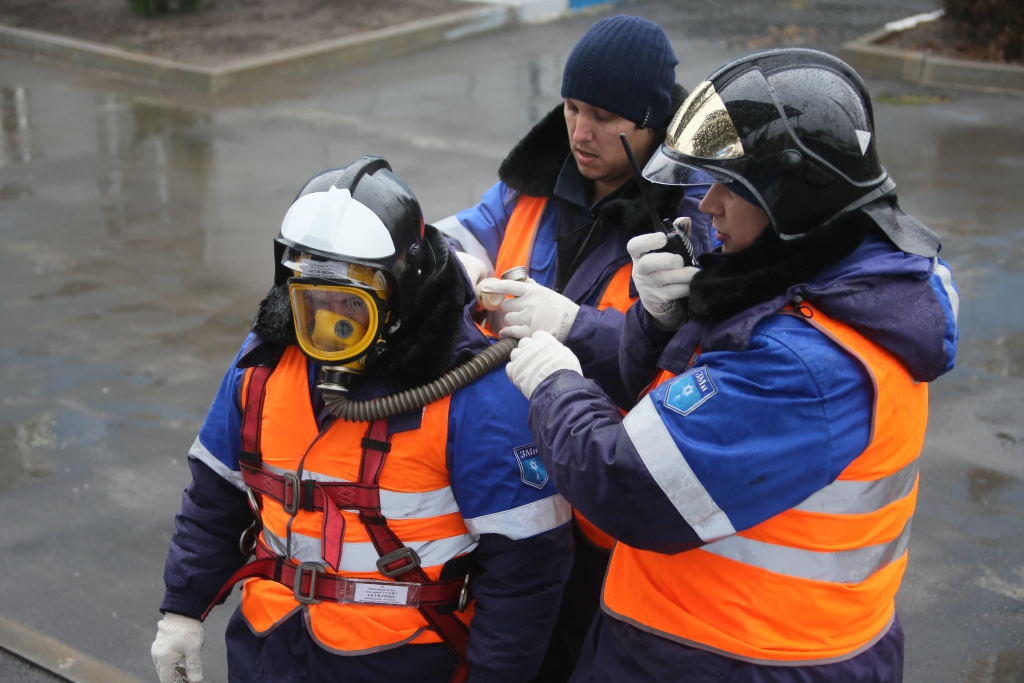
x=588 y=171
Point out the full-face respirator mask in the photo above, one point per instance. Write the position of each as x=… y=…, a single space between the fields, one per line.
x=340 y=312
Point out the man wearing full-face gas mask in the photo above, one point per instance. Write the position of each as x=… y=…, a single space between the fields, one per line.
x=762 y=492
x=367 y=448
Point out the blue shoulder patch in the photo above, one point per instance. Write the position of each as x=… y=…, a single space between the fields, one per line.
x=690 y=390
x=531 y=467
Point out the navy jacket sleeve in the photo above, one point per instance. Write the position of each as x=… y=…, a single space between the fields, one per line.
x=640 y=347
x=594 y=339
x=525 y=537
x=204 y=550
x=737 y=439
x=517 y=598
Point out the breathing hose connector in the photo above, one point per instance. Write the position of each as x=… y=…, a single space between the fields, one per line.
x=387 y=406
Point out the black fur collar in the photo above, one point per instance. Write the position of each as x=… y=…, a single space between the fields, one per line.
x=534 y=164
x=421 y=350
x=731 y=283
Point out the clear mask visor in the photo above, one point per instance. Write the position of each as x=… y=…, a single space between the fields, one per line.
x=702 y=128
x=333 y=323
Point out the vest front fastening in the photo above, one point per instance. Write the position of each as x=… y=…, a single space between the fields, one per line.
x=415 y=499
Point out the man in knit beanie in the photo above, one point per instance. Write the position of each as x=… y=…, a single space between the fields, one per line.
x=564 y=208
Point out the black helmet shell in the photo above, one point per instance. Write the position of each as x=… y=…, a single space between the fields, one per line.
x=806 y=127
x=376 y=192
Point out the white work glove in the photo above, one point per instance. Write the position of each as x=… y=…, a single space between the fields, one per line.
x=536 y=357
x=178 y=637
x=661 y=279
x=475 y=268
x=534 y=308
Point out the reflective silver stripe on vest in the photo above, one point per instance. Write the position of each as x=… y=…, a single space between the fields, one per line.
x=397 y=504
x=524 y=521
x=362 y=557
x=672 y=473
x=843 y=566
x=861 y=497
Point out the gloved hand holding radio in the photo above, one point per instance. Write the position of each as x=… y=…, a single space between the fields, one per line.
x=536 y=358
x=178 y=637
x=534 y=308
x=661 y=279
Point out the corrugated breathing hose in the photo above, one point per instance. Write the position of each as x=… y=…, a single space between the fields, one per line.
x=411 y=399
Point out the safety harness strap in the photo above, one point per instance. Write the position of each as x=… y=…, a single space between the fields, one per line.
x=252 y=413
x=444 y=594
x=397 y=560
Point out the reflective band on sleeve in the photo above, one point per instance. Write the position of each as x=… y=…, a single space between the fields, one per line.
x=846 y=566
x=947 y=284
x=200 y=453
x=362 y=557
x=861 y=497
x=525 y=520
x=453 y=228
x=672 y=473
x=397 y=504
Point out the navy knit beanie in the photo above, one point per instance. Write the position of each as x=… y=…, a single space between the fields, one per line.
x=624 y=65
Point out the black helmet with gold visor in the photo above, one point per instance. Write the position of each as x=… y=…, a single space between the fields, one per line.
x=791 y=130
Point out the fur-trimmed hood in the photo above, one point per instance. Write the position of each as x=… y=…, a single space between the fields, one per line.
x=534 y=164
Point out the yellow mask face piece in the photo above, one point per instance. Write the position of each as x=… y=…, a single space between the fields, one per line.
x=335 y=323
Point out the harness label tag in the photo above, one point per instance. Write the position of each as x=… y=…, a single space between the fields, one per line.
x=381 y=594
x=531 y=466
x=690 y=390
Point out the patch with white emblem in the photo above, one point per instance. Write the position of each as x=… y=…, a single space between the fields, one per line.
x=690 y=390
x=531 y=467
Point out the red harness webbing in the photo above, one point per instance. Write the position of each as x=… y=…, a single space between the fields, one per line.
x=396 y=559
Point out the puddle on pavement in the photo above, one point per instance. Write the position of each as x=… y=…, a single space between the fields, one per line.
x=1006 y=666
x=25 y=450
x=981 y=482
x=980 y=502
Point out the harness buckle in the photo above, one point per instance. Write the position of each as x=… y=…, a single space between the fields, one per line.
x=464 y=595
x=403 y=553
x=314 y=570
x=291 y=481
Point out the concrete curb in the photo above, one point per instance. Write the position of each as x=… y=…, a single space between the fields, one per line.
x=922 y=68
x=59 y=659
x=294 y=62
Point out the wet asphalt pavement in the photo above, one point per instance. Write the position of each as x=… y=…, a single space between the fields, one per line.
x=135 y=244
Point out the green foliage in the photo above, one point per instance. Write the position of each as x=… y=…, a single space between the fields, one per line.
x=151 y=8
x=999 y=23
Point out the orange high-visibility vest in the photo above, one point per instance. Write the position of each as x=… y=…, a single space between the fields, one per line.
x=416 y=499
x=814 y=584
x=516 y=249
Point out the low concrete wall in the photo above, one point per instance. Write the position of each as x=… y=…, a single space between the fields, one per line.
x=295 y=62
x=871 y=59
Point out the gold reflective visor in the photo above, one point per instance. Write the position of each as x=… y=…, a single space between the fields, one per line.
x=702 y=127
x=334 y=323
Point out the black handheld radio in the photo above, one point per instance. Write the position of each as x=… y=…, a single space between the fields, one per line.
x=678 y=232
